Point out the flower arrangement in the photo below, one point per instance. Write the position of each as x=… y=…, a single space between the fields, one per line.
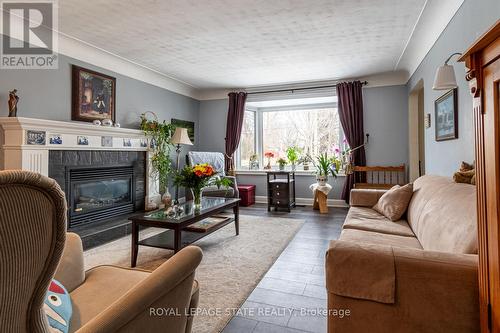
x=197 y=177
x=268 y=155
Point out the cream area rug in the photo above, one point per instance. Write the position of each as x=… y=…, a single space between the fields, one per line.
x=231 y=267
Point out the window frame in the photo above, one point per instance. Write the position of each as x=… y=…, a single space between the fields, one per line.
x=259 y=130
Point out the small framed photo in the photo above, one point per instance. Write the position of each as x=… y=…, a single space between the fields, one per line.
x=55 y=139
x=82 y=140
x=93 y=95
x=127 y=142
x=106 y=141
x=446 y=116
x=35 y=138
x=144 y=143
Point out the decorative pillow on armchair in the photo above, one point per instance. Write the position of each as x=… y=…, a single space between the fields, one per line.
x=393 y=203
x=58 y=307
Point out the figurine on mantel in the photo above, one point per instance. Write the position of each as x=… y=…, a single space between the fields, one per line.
x=13 y=100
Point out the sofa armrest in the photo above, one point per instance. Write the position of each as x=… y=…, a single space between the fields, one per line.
x=234 y=185
x=161 y=300
x=435 y=291
x=70 y=271
x=365 y=197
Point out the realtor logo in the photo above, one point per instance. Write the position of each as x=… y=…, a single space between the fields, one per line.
x=29 y=39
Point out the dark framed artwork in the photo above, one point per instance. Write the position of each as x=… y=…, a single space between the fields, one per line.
x=93 y=95
x=446 y=116
x=185 y=124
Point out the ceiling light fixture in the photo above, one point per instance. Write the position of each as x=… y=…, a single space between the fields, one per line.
x=445 y=76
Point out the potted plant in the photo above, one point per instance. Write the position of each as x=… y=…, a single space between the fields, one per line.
x=254 y=162
x=305 y=160
x=159 y=134
x=196 y=178
x=268 y=155
x=324 y=167
x=281 y=162
x=292 y=153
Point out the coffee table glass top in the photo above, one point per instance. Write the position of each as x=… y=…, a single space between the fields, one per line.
x=187 y=209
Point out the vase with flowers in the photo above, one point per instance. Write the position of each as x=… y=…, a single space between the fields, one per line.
x=268 y=155
x=196 y=178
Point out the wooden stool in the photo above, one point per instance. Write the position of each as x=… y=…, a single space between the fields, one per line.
x=320 y=202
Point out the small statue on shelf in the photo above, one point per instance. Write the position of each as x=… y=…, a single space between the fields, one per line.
x=13 y=100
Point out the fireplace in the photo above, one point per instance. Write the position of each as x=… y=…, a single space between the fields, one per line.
x=100 y=193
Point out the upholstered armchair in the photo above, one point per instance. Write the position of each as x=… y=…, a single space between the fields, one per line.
x=217 y=161
x=36 y=248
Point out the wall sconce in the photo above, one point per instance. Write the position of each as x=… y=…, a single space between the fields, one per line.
x=445 y=76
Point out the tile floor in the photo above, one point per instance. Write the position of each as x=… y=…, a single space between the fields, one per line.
x=286 y=299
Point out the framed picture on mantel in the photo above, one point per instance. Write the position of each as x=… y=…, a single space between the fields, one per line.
x=93 y=95
x=446 y=117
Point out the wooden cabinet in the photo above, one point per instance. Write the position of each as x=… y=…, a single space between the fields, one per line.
x=280 y=190
x=483 y=63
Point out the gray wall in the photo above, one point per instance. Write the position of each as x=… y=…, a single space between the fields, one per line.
x=385 y=118
x=472 y=19
x=46 y=94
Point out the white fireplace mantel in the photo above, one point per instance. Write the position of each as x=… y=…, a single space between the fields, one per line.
x=18 y=152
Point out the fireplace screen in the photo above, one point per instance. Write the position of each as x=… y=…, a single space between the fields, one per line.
x=100 y=193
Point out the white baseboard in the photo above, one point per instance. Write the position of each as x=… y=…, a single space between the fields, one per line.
x=306 y=201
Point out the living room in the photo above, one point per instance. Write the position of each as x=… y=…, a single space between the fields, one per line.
x=286 y=166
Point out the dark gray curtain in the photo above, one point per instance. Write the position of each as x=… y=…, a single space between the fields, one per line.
x=350 y=106
x=234 y=125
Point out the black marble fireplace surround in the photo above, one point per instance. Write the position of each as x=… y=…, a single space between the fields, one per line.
x=103 y=188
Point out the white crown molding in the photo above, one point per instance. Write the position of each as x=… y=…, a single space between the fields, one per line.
x=433 y=19
x=376 y=80
x=96 y=56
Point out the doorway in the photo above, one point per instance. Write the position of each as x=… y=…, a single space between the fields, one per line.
x=416 y=132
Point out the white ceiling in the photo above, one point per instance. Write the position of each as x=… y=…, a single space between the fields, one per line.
x=243 y=43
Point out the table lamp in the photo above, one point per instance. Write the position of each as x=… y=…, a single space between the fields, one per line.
x=179 y=138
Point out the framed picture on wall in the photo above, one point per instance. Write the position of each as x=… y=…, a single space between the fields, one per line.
x=185 y=124
x=93 y=95
x=446 y=116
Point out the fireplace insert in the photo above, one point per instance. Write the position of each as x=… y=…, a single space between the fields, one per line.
x=99 y=193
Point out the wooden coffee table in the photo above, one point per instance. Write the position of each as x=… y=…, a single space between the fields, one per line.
x=175 y=238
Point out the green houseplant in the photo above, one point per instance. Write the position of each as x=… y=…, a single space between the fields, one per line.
x=293 y=153
x=324 y=167
x=281 y=162
x=159 y=135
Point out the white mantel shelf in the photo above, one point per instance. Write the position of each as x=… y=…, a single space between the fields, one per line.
x=17 y=153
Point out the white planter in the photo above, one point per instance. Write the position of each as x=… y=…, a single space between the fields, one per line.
x=322 y=180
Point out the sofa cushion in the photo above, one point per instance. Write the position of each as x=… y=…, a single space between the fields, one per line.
x=370 y=237
x=442 y=214
x=393 y=203
x=364 y=218
x=102 y=287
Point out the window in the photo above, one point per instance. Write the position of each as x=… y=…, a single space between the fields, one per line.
x=312 y=124
x=247 y=141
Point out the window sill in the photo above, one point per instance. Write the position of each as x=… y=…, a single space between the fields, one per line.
x=263 y=172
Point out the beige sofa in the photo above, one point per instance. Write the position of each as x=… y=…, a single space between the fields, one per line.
x=35 y=246
x=418 y=274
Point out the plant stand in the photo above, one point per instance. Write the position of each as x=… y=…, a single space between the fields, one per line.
x=320 y=197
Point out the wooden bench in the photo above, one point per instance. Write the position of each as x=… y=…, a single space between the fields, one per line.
x=379 y=177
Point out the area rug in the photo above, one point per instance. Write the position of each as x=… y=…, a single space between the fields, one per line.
x=231 y=267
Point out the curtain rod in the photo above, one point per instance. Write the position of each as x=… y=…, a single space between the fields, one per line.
x=292 y=90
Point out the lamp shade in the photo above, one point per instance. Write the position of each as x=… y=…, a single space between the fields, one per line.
x=181 y=137
x=445 y=78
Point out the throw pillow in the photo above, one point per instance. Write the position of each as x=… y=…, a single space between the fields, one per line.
x=393 y=203
x=58 y=307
